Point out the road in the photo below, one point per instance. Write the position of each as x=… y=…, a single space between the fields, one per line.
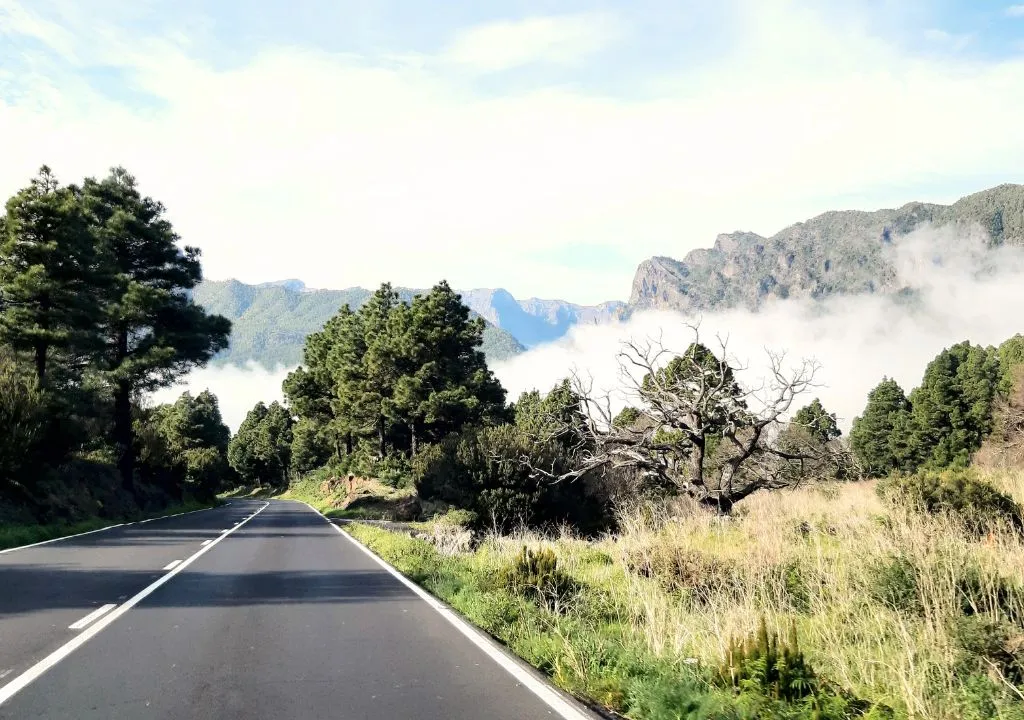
x=251 y=610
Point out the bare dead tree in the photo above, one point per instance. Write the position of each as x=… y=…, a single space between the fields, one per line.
x=692 y=426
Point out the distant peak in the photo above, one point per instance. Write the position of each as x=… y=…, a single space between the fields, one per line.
x=289 y=284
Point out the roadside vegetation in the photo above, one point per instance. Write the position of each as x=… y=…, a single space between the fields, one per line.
x=95 y=313
x=684 y=546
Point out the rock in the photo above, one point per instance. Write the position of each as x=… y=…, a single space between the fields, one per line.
x=836 y=253
x=407 y=509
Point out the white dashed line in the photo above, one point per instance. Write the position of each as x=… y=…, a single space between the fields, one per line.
x=21 y=681
x=207 y=542
x=171 y=564
x=98 y=612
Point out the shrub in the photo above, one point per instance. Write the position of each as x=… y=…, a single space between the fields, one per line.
x=957 y=492
x=483 y=471
x=893 y=582
x=797 y=591
x=535 y=574
x=457 y=517
x=699 y=575
x=773 y=678
x=986 y=642
x=981 y=592
x=777 y=670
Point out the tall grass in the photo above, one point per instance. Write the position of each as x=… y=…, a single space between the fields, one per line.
x=880 y=596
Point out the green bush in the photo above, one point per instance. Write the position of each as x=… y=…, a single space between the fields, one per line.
x=536 y=575
x=457 y=517
x=776 y=669
x=958 y=492
x=984 y=641
x=979 y=592
x=483 y=471
x=772 y=678
x=893 y=582
x=701 y=577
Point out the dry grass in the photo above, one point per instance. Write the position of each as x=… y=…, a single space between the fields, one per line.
x=830 y=539
x=677 y=583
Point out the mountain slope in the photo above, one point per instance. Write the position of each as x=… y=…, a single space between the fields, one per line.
x=272 y=320
x=839 y=252
x=535 y=321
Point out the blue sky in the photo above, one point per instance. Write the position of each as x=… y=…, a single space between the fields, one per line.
x=547 y=147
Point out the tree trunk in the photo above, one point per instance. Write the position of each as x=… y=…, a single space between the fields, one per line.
x=41 y=351
x=380 y=436
x=43 y=346
x=697 y=463
x=123 y=419
x=412 y=432
x=123 y=434
x=348 y=442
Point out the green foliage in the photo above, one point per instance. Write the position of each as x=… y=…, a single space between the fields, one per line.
x=820 y=423
x=394 y=375
x=260 y=452
x=877 y=436
x=985 y=641
x=25 y=429
x=952 y=408
x=272 y=321
x=893 y=582
x=186 y=443
x=311 y=447
x=94 y=305
x=483 y=471
x=776 y=669
x=536 y=575
x=48 y=276
x=958 y=492
x=1011 y=358
x=151 y=330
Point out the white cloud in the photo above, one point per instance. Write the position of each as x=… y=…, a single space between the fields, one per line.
x=559 y=40
x=1015 y=11
x=345 y=170
x=856 y=340
x=954 y=41
x=237 y=389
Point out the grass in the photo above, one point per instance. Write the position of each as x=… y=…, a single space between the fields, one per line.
x=909 y=614
x=18 y=535
x=371 y=499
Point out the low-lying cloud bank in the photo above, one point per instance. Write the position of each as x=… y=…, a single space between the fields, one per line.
x=964 y=292
x=238 y=388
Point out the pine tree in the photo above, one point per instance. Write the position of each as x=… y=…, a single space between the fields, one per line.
x=821 y=424
x=881 y=437
x=952 y=408
x=48 y=275
x=152 y=331
x=444 y=382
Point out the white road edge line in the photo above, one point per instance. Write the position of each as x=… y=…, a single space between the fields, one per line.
x=102 y=610
x=108 y=527
x=19 y=683
x=171 y=564
x=550 y=698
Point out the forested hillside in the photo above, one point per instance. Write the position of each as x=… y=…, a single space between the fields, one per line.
x=271 y=321
x=95 y=313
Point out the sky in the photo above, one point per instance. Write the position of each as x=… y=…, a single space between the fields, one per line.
x=544 y=147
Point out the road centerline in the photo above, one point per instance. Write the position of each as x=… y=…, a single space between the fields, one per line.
x=28 y=676
x=102 y=610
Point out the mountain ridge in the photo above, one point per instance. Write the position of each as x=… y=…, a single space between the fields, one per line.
x=835 y=252
x=272 y=319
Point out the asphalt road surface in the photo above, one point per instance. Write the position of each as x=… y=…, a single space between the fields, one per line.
x=251 y=610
